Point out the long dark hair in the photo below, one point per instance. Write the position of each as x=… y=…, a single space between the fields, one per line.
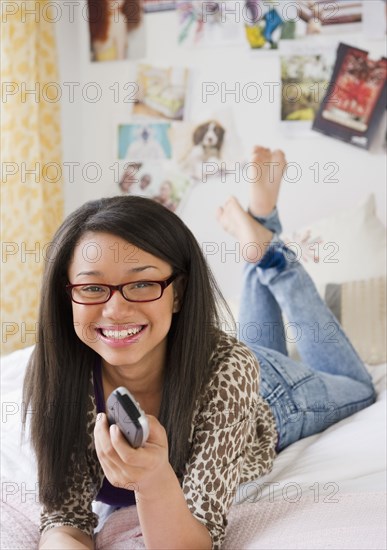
x=56 y=385
x=99 y=17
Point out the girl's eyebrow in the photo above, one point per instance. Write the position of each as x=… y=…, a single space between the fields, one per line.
x=142 y=268
x=129 y=271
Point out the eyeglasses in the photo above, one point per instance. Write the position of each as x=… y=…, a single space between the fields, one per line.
x=140 y=291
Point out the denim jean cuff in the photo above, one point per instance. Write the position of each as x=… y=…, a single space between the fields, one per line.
x=277 y=256
x=274 y=255
x=271 y=221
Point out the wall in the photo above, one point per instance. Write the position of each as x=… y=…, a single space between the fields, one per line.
x=89 y=130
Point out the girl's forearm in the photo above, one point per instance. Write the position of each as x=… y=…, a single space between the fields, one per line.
x=166 y=520
x=65 y=538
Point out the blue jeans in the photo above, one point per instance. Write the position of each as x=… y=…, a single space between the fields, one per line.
x=331 y=382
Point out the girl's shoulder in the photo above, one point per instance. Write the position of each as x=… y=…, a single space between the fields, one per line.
x=233 y=367
x=230 y=351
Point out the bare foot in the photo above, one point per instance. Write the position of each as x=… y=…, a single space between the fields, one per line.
x=269 y=167
x=253 y=237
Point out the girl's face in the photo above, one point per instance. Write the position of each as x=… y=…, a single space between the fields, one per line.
x=165 y=190
x=125 y=334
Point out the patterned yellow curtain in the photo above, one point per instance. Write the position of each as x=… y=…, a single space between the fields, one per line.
x=31 y=175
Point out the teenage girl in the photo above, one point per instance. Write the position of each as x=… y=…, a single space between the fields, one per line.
x=128 y=300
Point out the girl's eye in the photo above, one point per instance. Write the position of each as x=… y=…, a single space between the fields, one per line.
x=142 y=284
x=93 y=289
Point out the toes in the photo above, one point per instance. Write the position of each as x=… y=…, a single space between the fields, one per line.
x=261 y=154
x=230 y=207
x=219 y=213
x=260 y=151
x=232 y=202
x=279 y=152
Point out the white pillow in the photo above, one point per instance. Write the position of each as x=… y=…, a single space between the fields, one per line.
x=347 y=246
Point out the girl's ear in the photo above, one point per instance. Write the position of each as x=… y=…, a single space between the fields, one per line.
x=178 y=293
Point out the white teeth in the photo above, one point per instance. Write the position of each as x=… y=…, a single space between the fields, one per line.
x=120 y=334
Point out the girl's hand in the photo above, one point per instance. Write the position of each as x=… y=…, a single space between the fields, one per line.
x=139 y=470
x=165 y=518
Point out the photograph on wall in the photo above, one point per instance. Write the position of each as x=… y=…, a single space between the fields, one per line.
x=162 y=182
x=322 y=17
x=207 y=24
x=144 y=141
x=116 y=30
x=206 y=148
x=265 y=24
x=356 y=98
x=162 y=92
x=304 y=82
x=151 y=6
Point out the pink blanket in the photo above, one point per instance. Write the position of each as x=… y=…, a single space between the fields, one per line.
x=19 y=520
x=357 y=522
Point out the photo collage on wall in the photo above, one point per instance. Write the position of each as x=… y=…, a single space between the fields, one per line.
x=163 y=150
x=305 y=79
x=269 y=23
x=116 y=30
x=340 y=93
x=207 y=24
x=145 y=145
x=356 y=98
x=163 y=153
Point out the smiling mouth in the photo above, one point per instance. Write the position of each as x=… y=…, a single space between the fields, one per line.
x=112 y=334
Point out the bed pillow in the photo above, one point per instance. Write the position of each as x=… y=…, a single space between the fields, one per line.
x=348 y=246
x=360 y=307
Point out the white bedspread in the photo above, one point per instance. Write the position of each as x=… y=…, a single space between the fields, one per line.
x=325 y=491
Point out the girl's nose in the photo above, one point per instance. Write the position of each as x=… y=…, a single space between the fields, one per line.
x=117 y=306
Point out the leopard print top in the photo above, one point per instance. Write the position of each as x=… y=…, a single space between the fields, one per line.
x=233 y=440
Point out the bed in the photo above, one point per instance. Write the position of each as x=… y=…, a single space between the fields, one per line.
x=325 y=491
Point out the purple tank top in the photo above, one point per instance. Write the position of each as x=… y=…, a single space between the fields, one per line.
x=108 y=493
